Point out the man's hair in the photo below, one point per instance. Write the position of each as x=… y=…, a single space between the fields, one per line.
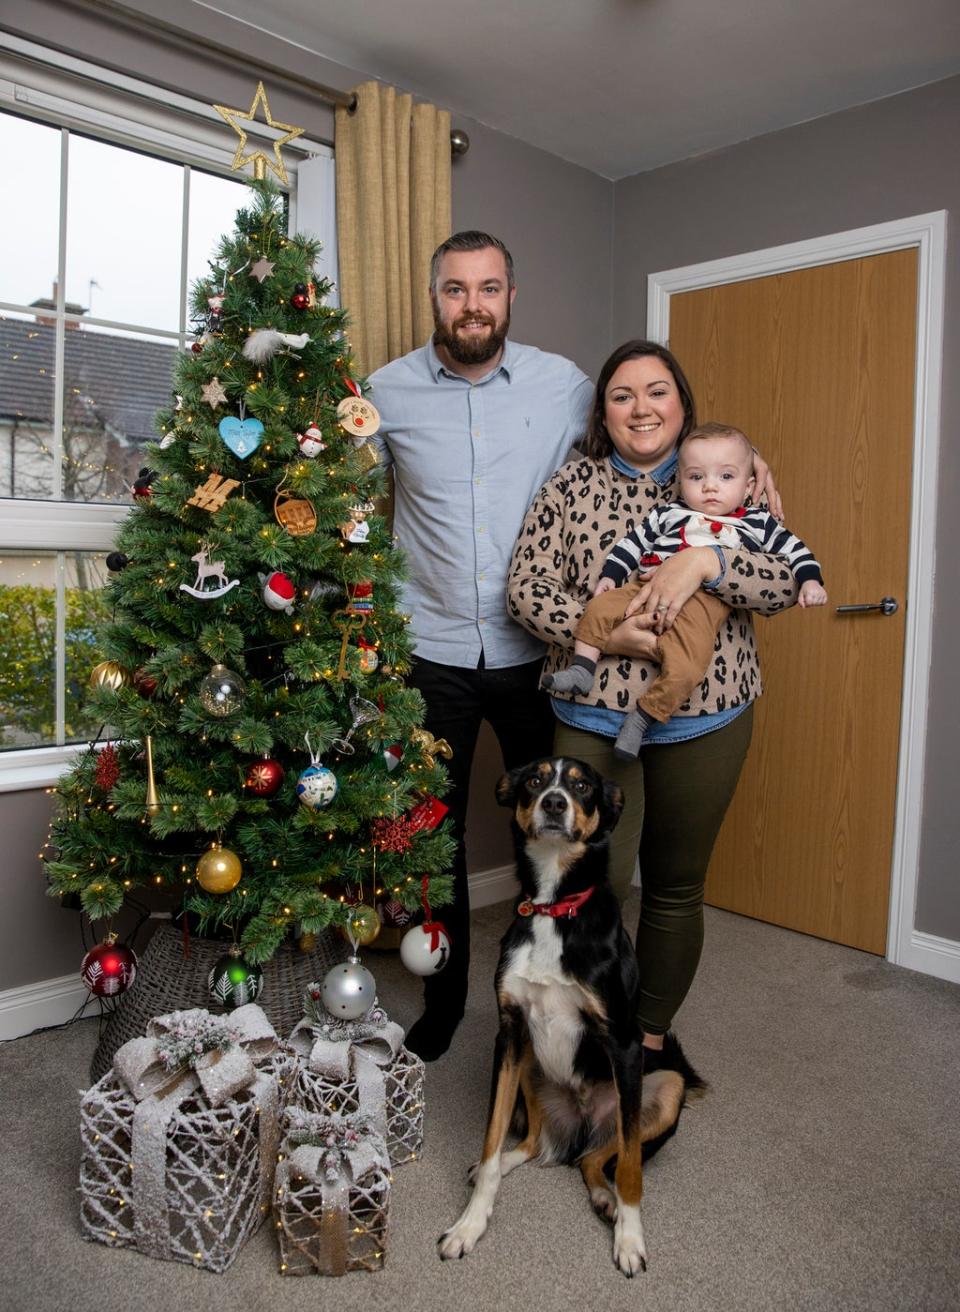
x=597 y=444
x=471 y=240
x=714 y=429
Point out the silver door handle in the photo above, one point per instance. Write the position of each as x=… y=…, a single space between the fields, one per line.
x=888 y=605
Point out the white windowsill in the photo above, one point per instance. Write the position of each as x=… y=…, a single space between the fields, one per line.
x=28 y=768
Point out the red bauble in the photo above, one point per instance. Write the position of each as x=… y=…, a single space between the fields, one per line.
x=196 y=347
x=264 y=778
x=145 y=684
x=109 y=968
x=299 y=300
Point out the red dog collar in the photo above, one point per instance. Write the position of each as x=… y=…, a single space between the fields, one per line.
x=567 y=906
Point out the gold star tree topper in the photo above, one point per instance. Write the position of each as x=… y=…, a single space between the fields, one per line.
x=261 y=161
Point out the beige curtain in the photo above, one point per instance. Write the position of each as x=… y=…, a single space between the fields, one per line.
x=393 y=210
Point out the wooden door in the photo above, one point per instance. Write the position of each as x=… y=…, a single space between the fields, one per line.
x=817 y=367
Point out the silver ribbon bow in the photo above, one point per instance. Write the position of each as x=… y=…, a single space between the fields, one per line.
x=341 y=1050
x=341 y=1150
x=159 y=1090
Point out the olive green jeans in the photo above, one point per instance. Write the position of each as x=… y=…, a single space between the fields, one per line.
x=676 y=796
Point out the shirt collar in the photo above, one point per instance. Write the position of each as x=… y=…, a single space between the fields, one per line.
x=661 y=475
x=439 y=370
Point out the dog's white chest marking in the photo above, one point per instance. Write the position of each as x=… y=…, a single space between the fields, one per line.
x=550 y=1001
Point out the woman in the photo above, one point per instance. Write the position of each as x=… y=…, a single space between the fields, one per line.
x=679 y=790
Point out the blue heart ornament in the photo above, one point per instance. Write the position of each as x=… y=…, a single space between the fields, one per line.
x=242 y=436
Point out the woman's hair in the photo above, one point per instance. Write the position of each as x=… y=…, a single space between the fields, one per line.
x=597 y=444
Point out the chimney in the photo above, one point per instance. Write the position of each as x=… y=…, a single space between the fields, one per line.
x=50 y=305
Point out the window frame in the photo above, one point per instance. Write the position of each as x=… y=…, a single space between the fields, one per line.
x=77 y=96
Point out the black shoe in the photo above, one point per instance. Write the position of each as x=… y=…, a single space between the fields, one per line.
x=431 y=1035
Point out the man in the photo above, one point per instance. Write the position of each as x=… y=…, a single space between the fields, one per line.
x=472 y=424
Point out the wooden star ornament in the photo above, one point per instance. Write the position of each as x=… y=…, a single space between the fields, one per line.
x=261 y=161
x=213 y=393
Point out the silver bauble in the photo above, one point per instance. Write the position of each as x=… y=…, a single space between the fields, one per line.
x=222 y=691
x=348 y=990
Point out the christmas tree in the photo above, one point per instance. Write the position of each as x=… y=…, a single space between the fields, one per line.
x=269 y=766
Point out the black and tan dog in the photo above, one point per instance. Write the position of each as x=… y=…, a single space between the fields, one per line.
x=569 y=1039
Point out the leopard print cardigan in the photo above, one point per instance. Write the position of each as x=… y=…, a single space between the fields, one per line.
x=576 y=518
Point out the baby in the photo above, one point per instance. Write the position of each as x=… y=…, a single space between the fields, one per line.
x=716 y=481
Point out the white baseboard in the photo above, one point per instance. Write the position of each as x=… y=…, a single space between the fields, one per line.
x=489 y=886
x=932 y=956
x=34 y=1006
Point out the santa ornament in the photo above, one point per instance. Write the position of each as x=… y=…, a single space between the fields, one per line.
x=278 y=592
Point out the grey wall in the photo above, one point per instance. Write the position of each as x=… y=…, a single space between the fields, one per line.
x=557 y=220
x=888 y=160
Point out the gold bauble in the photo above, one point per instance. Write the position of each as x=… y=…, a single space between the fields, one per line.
x=109 y=674
x=219 y=870
x=363 y=923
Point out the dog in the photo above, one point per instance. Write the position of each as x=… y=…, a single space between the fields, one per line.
x=569 y=1039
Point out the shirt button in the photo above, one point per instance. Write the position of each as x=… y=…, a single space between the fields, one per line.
x=476 y=432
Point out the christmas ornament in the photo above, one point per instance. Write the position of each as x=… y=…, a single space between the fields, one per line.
x=311 y=442
x=109 y=674
x=262 y=269
x=264 y=343
x=261 y=162
x=212 y=494
x=213 y=393
x=393 y=914
x=108 y=768
x=222 y=692
x=392 y=834
x=348 y=990
x=295 y=514
x=427 y=814
x=307 y=942
x=152 y=801
x=360 y=598
x=358 y=417
x=109 y=968
x=363 y=712
x=209 y=569
x=425 y=949
x=363 y=925
x=116 y=561
x=242 y=436
x=347 y=622
x=430 y=748
x=369 y=660
x=317 y=785
x=393 y=755
x=167 y=440
x=233 y=981
x=278 y=592
x=264 y=777
x=322 y=590
x=356 y=528
x=219 y=870
x=141 y=484
x=145 y=684
x=300 y=300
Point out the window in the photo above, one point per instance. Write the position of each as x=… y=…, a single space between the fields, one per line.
x=123 y=199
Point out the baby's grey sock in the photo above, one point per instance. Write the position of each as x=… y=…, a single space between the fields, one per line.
x=630 y=738
x=578 y=678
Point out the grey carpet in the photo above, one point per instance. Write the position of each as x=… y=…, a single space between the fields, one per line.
x=822 y=1170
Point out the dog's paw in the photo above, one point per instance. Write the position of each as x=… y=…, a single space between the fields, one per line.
x=461 y=1238
x=629 y=1250
x=603 y=1203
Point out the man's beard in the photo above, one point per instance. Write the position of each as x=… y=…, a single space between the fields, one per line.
x=473 y=349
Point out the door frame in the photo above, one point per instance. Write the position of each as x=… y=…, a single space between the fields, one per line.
x=906 y=946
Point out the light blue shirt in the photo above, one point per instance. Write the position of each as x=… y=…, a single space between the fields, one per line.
x=468 y=459
x=608 y=723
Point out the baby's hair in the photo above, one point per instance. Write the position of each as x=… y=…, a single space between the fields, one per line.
x=713 y=429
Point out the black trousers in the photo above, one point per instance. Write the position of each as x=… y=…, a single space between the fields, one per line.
x=458 y=701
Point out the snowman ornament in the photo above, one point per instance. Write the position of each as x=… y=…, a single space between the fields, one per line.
x=311 y=442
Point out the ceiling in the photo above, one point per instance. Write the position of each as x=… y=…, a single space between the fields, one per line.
x=622 y=86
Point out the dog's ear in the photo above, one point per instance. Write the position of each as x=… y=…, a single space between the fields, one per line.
x=611 y=806
x=506 y=789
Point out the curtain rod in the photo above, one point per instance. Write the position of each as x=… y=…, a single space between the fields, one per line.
x=459 y=141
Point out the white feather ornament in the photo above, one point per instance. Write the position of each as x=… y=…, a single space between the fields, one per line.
x=264 y=343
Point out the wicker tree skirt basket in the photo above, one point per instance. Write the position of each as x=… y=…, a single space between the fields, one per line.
x=168 y=981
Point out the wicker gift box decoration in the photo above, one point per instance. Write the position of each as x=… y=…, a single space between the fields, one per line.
x=179 y=1140
x=332 y=1194
x=359 y=1066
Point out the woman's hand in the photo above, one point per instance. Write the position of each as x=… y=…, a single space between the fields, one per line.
x=635 y=638
x=765 y=486
x=675 y=582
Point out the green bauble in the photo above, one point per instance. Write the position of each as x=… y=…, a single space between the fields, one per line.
x=233 y=982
